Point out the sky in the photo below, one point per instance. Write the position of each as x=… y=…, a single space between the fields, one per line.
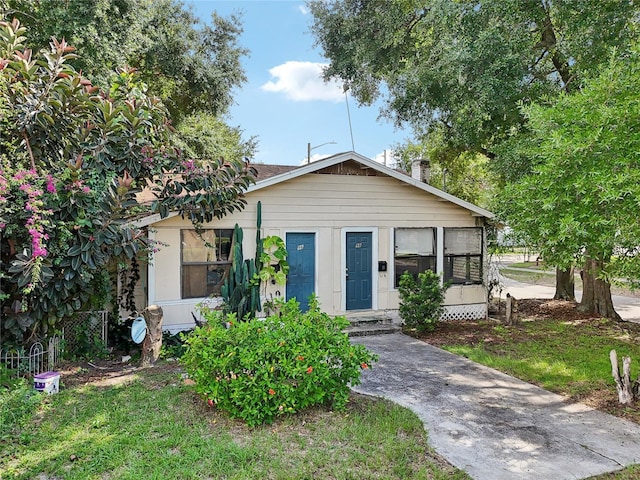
x=285 y=102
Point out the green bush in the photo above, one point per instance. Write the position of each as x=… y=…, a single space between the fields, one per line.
x=421 y=301
x=263 y=368
x=173 y=344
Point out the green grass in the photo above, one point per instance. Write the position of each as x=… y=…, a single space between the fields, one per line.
x=156 y=428
x=531 y=265
x=571 y=358
x=630 y=473
x=535 y=277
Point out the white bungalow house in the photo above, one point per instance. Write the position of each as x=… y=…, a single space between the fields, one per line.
x=351 y=225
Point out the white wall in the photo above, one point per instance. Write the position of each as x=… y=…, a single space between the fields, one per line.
x=327 y=205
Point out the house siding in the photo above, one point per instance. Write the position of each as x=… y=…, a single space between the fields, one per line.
x=326 y=205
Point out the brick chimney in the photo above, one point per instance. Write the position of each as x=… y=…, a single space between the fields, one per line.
x=421 y=170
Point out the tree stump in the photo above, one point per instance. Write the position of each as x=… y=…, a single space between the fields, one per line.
x=511 y=310
x=627 y=389
x=152 y=343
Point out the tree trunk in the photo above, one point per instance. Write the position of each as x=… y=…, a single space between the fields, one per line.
x=624 y=386
x=565 y=285
x=153 y=341
x=596 y=292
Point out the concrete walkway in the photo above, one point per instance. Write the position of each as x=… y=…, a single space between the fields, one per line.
x=494 y=426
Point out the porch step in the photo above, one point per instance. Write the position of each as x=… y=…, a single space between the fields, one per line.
x=367 y=325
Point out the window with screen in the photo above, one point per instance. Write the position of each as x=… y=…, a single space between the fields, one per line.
x=415 y=251
x=463 y=255
x=205 y=261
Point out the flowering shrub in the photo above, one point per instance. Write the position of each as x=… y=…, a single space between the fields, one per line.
x=28 y=191
x=263 y=368
x=73 y=161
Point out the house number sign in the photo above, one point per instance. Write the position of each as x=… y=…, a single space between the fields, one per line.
x=359 y=245
x=300 y=247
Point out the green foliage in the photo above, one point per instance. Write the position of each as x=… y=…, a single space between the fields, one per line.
x=274 y=260
x=119 y=333
x=203 y=135
x=263 y=368
x=421 y=300
x=18 y=404
x=457 y=72
x=87 y=343
x=241 y=290
x=173 y=344
x=192 y=66
x=7 y=377
x=466 y=175
x=581 y=198
x=73 y=163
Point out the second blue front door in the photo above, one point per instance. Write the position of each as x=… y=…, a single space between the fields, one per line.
x=359 y=271
x=301 y=256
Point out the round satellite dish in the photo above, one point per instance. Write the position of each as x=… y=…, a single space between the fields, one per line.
x=138 y=330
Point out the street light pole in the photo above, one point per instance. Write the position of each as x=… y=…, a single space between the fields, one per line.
x=309 y=148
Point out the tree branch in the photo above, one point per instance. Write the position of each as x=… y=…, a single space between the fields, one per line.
x=28 y=145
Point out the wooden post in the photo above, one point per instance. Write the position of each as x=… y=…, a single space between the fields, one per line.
x=623 y=384
x=153 y=341
x=511 y=310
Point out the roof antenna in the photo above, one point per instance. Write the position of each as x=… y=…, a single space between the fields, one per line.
x=346 y=99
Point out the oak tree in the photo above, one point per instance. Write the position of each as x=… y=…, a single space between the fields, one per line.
x=457 y=72
x=580 y=202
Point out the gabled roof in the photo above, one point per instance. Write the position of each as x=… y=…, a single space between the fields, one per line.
x=270 y=175
x=367 y=163
x=265 y=171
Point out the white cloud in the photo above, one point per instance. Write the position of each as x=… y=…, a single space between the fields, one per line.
x=315 y=157
x=302 y=82
x=390 y=160
x=303 y=10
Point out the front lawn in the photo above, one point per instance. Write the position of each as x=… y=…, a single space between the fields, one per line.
x=554 y=347
x=149 y=424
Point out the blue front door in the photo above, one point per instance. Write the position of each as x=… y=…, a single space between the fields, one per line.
x=301 y=248
x=359 y=272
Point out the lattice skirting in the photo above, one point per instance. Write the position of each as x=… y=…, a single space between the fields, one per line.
x=474 y=311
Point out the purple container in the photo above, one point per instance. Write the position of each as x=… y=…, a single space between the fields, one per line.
x=47 y=382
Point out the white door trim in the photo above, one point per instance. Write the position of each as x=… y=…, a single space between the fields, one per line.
x=374 y=264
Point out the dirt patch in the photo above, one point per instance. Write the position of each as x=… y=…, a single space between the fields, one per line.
x=104 y=373
x=529 y=310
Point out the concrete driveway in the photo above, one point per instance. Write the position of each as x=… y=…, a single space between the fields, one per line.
x=494 y=426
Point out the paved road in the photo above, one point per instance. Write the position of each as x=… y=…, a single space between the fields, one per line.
x=493 y=426
x=627 y=307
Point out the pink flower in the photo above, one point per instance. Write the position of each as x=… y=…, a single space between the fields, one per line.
x=51 y=186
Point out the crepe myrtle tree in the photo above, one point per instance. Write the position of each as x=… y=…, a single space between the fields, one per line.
x=73 y=162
